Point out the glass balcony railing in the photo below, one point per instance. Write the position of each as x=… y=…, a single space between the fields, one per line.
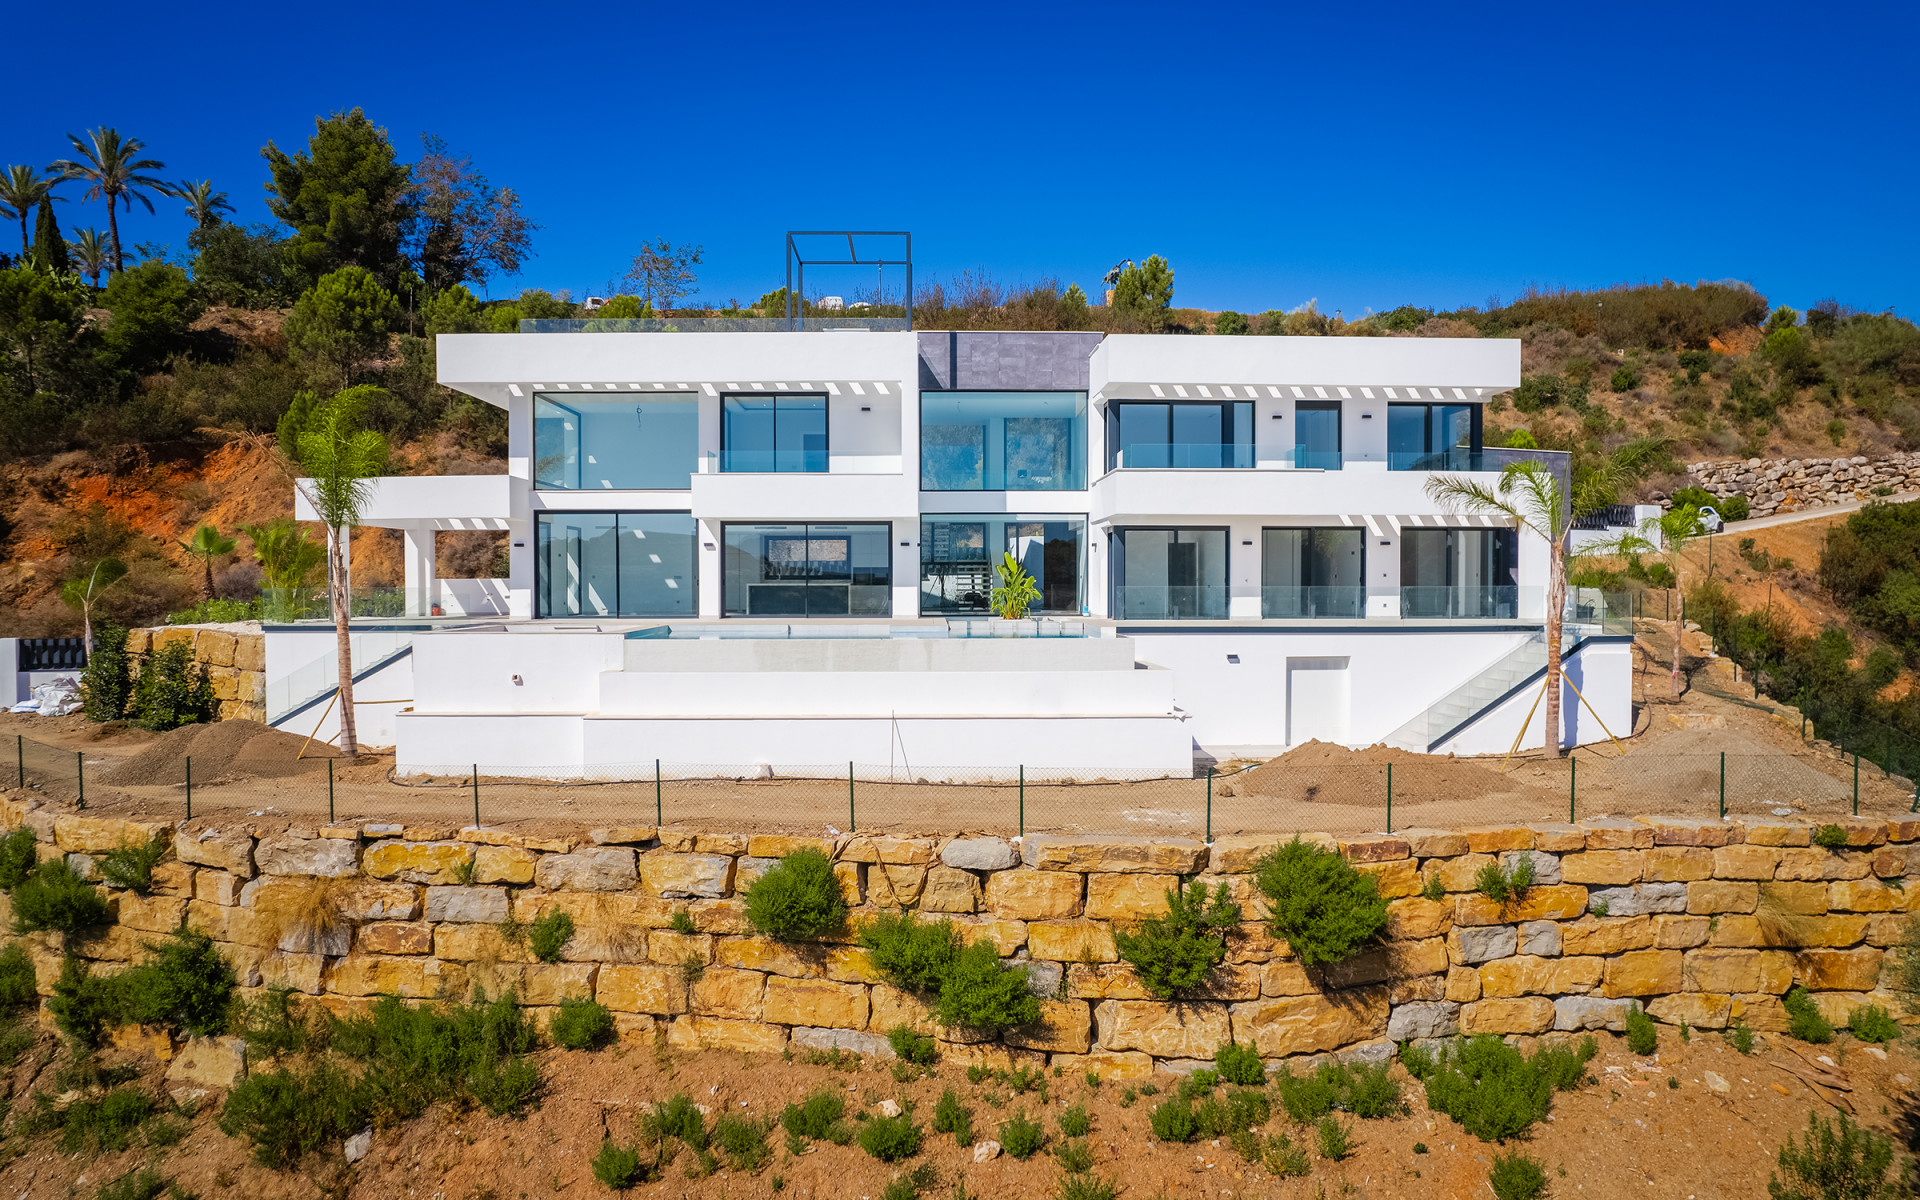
x=1313 y=602
x=1188 y=602
x=1218 y=456
x=770 y=462
x=711 y=324
x=1489 y=602
x=1456 y=458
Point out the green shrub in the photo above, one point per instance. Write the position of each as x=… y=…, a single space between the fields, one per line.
x=682 y=921
x=186 y=986
x=1832 y=837
x=910 y=1185
x=18 y=983
x=743 y=1140
x=53 y=897
x=1282 y=1158
x=1173 y=954
x=1216 y=1117
x=1199 y=1083
x=96 y=1124
x=617 y=1166
x=1308 y=1097
x=951 y=1116
x=1372 y=1092
x=1364 y=1091
x=818 y=1113
x=131 y=866
x=581 y=1024
x=547 y=937
x=84 y=1005
x=1435 y=889
x=1494 y=1091
x=143 y=1184
x=1642 y=1037
x=1869 y=1023
x=1020 y=1137
x=1336 y=1140
x=270 y=1026
x=1803 y=1016
x=1326 y=910
x=1240 y=1064
x=106 y=685
x=1505 y=886
x=1839 y=1163
x=1517 y=1177
x=1743 y=1037
x=1173 y=1121
x=173 y=690
x=1073 y=1121
x=910 y=1046
x=913 y=955
x=288 y=1115
x=1084 y=1187
x=1074 y=1156
x=1624 y=379
x=798 y=899
x=19 y=852
x=890 y=1139
x=983 y=994
x=675 y=1119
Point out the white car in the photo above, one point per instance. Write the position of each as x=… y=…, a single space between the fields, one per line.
x=1711 y=520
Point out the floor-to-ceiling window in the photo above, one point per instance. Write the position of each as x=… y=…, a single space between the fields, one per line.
x=1459 y=572
x=614 y=564
x=615 y=441
x=1151 y=433
x=1432 y=437
x=1317 y=571
x=808 y=571
x=1316 y=434
x=773 y=433
x=1169 y=574
x=1003 y=441
x=961 y=553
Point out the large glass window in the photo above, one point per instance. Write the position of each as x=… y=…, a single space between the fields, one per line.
x=1459 y=572
x=629 y=564
x=1316 y=434
x=1314 y=572
x=1169 y=574
x=614 y=441
x=808 y=571
x=959 y=556
x=1156 y=434
x=773 y=433
x=1003 y=441
x=1432 y=437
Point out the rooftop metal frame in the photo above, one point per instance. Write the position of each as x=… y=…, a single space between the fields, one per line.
x=796 y=309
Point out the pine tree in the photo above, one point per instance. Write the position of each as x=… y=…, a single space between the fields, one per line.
x=49 y=248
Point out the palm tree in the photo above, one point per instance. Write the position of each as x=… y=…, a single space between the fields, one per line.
x=340 y=459
x=287 y=560
x=207 y=545
x=1530 y=495
x=1666 y=535
x=20 y=189
x=83 y=591
x=90 y=254
x=204 y=204
x=112 y=167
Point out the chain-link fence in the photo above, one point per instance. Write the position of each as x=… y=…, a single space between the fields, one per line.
x=1372 y=790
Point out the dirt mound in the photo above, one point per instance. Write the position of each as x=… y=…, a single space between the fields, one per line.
x=223 y=750
x=1323 y=770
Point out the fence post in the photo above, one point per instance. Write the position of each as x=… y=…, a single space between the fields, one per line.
x=476 y=795
x=1023 y=801
x=1856 y=783
x=1573 y=787
x=20 y=756
x=1209 y=805
x=80 y=773
x=657 y=820
x=329 y=791
x=1723 y=785
x=849 y=797
x=1389 y=797
x=189 y=787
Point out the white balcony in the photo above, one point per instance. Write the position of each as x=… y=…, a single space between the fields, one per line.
x=427 y=502
x=856 y=487
x=1148 y=495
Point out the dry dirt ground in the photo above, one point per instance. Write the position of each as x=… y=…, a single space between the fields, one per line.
x=1648 y=1127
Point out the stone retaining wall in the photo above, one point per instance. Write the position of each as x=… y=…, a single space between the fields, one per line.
x=1699 y=920
x=1789 y=484
x=236 y=662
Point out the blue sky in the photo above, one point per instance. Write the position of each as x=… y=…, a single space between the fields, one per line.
x=1366 y=156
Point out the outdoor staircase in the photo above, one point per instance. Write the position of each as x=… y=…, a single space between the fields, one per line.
x=314 y=682
x=1489 y=686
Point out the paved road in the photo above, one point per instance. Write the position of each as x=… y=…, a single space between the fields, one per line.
x=1808 y=514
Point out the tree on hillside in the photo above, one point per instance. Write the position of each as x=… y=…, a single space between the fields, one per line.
x=49 y=248
x=1530 y=495
x=341 y=321
x=454 y=310
x=1666 y=535
x=287 y=558
x=84 y=590
x=337 y=459
x=465 y=228
x=152 y=305
x=344 y=197
x=90 y=254
x=207 y=545
x=44 y=319
x=113 y=170
x=21 y=188
x=204 y=205
x=663 y=274
x=1145 y=293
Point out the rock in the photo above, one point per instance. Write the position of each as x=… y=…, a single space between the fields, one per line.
x=889 y=1107
x=1590 y=1012
x=1370 y=1054
x=818 y=1002
x=600 y=870
x=621 y=835
x=503 y=864
x=358 y=1145
x=1715 y=1083
x=677 y=876
x=1168 y=1030
x=1302 y=1024
x=1061 y=852
x=215 y=1062
x=287 y=855
x=1518 y=1014
x=1524 y=975
x=98 y=835
x=1546 y=867
x=950 y=890
x=1540 y=938
x=1639 y=899
x=979 y=854
x=1033 y=895
x=437 y=862
x=1043 y=978
x=1128 y=897
x=1643 y=973
x=1072 y=941
x=467 y=904
x=1427 y=1020
x=1482 y=943
x=893 y=851
x=873 y=1045
x=717 y=1033
x=986 y=1151
x=229 y=850
x=189 y=1098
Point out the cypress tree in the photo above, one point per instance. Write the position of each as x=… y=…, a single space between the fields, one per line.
x=49 y=248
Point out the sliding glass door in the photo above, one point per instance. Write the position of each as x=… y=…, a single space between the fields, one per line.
x=1169 y=574
x=808 y=571
x=614 y=564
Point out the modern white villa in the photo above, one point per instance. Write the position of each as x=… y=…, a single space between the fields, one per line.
x=778 y=546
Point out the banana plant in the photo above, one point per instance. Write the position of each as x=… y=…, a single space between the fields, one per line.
x=83 y=591
x=1016 y=591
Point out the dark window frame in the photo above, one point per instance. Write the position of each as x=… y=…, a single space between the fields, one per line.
x=807 y=579
x=1116 y=535
x=1080 y=448
x=1228 y=424
x=547 y=515
x=826 y=451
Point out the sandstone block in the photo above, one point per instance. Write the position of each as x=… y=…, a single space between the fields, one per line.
x=1164 y=1030
x=1394 y=879
x=1373 y=848
x=1818 y=863
x=216 y=887
x=514 y=840
x=1643 y=973
x=648 y=989
x=1723 y=971
x=765 y=954
x=1522 y=1014
x=852 y=878
x=284 y=854
x=1463 y=984
x=1456 y=874
x=395 y=937
x=1678 y=864
x=1671 y=932
x=1769 y=831
x=301 y=972
x=173 y=879
x=950 y=890
x=718 y=1033
x=872 y=1045
x=1029 y=895
x=375 y=900
x=815 y=1002
x=620 y=835
x=97 y=835
x=476 y=943
x=891 y=885
x=151 y=914
x=1431 y=1020
x=672 y=949
x=1062 y=852
x=1605 y=867
x=1064 y=1028
x=1892 y=862
x=1903 y=829
x=1560 y=902
x=466 y=904
x=1106 y=981
x=1745 y=861
x=1126 y=1066
x=1702 y=1010
x=1861 y=831
x=1492 y=839
x=210 y=1062
x=250 y=652
x=410 y=978
x=611 y=869
x=1525 y=975
x=1557 y=837
x=979 y=854
x=1639 y=899
x=1690 y=831
x=1616 y=833
x=891 y=1007
x=1006 y=936
x=1128 y=897
x=1590 y=1012
x=850 y=964
x=1417 y=917
x=893 y=851
x=1071 y=941
x=1839 y=970
x=1307 y=1024
x=1482 y=943
x=1546 y=867
x=1435 y=843
x=228 y=850
x=503 y=864
x=1864 y=895
x=1801 y=899
x=1722 y=896
x=723 y=992
x=779 y=845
